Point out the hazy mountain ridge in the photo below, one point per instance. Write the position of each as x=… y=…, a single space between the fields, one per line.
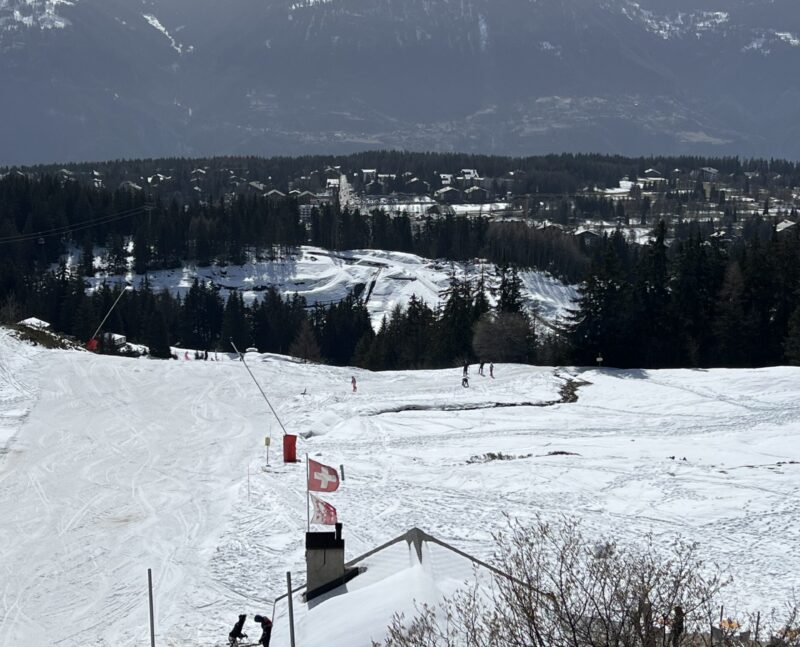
x=290 y=76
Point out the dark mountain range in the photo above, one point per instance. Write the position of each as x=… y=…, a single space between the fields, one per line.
x=98 y=79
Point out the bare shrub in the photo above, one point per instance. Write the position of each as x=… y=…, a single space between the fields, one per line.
x=560 y=590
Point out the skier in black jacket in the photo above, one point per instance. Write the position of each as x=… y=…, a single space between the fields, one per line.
x=236 y=632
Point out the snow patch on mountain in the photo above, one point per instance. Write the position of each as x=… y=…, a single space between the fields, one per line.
x=302 y=4
x=677 y=25
x=156 y=24
x=28 y=14
x=764 y=43
x=483 y=30
x=788 y=38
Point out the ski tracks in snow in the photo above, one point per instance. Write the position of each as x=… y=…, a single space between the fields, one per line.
x=126 y=465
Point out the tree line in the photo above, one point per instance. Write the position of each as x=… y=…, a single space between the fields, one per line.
x=463 y=328
x=691 y=304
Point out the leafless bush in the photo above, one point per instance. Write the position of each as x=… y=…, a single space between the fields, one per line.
x=560 y=590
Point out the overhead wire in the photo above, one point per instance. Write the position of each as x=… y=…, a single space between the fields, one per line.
x=68 y=229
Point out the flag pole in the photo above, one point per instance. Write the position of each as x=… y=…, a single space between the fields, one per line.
x=308 y=507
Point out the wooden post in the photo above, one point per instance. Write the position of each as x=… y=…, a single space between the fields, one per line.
x=758 y=622
x=152 y=621
x=291 y=607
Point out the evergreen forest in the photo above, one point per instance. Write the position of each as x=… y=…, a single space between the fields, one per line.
x=681 y=300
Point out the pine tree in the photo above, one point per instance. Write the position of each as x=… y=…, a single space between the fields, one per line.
x=158 y=336
x=235 y=324
x=510 y=290
x=731 y=319
x=87 y=257
x=305 y=345
x=601 y=323
x=791 y=344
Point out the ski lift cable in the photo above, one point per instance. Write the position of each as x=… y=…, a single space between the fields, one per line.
x=100 y=220
x=274 y=413
x=66 y=229
x=108 y=314
x=58 y=231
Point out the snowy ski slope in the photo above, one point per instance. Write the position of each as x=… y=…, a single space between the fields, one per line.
x=113 y=465
x=321 y=276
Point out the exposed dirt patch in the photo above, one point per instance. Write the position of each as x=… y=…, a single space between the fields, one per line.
x=568 y=393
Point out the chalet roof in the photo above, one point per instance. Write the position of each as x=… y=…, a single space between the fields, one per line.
x=446 y=189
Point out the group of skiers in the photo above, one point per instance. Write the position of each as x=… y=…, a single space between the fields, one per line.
x=236 y=634
x=464 y=378
x=465 y=375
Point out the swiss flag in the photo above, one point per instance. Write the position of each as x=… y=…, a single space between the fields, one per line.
x=322 y=478
x=324 y=513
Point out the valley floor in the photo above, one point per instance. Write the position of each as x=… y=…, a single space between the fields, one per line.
x=110 y=466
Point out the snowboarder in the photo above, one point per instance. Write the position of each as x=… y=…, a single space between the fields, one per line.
x=480 y=369
x=266 y=630
x=465 y=382
x=466 y=368
x=491 y=370
x=236 y=632
x=353 y=383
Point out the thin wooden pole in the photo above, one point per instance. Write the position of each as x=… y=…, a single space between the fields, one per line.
x=152 y=621
x=758 y=622
x=308 y=501
x=291 y=607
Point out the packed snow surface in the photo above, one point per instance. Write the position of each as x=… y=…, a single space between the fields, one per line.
x=384 y=279
x=112 y=466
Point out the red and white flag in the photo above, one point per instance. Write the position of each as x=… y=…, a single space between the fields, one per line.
x=324 y=513
x=322 y=478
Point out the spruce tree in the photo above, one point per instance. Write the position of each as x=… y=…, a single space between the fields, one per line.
x=305 y=345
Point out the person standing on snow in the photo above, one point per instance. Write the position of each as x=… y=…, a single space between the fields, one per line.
x=480 y=369
x=466 y=368
x=266 y=630
x=491 y=370
x=236 y=632
x=353 y=383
